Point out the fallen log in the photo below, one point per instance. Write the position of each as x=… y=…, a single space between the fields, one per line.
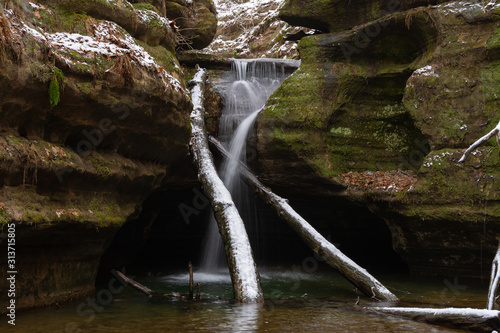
x=243 y=270
x=125 y=280
x=355 y=274
x=493 y=132
x=477 y=320
x=494 y=280
x=134 y=284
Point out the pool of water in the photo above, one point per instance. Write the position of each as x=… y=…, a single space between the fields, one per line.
x=295 y=302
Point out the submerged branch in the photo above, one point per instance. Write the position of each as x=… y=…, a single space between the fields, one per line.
x=355 y=274
x=134 y=284
x=495 y=131
x=477 y=320
x=243 y=270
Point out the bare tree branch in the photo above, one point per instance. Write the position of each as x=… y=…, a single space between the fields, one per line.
x=479 y=142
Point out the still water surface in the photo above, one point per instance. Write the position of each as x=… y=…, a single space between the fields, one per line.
x=295 y=302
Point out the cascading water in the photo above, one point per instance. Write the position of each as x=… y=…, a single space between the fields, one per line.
x=253 y=81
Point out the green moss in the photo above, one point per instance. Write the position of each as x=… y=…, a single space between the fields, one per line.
x=39 y=71
x=163 y=57
x=285 y=101
x=391 y=111
x=342 y=131
x=442 y=181
x=100 y=164
x=4 y=217
x=145 y=6
x=490 y=78
x=309 y=49
x=106 y=211
x=494 y=42
x=85 y=87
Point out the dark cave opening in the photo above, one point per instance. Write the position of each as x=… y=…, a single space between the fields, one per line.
x=170 y=232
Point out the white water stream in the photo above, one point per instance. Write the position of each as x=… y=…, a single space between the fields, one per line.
x=253 y=81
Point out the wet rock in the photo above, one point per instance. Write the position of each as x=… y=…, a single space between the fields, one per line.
x=339 y=15
x=94 y=120
x=197 y=22
x=252 y=29
x=405 y=91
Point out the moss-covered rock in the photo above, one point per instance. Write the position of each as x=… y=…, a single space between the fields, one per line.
x=93 y=121
x=144 y=24
x=197 y=21
x=409 y=90
x=352 y=105
x=338 y=15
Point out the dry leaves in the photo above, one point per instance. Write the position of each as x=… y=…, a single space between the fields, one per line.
x=388 y=181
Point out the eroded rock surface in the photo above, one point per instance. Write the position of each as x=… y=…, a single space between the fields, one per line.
x=252 y=29
x=95 y=116
x=396 y=86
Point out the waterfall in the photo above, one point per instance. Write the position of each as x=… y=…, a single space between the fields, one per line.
x=251 y=84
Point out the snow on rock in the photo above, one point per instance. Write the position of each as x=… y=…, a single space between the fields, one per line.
x=109 y=40
x=243 y=25
x=149 y=16
x=425 y=71
x=467 y=9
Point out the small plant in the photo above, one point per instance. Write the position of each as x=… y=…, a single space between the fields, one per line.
x=54 y=86
x=4 y=217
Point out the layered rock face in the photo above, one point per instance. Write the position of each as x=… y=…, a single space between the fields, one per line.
x=252 y=29
x=95 y=115
x=380 y=111
x=197 y=21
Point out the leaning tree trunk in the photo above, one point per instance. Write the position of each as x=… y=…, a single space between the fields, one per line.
x=494 y=280
x=355 y=274
x=242 y=267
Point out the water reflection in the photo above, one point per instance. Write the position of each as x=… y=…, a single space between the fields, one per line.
x=244 y=317
x=321 y=302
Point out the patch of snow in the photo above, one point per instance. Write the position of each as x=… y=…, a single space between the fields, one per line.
x=109 y=40
x=424 y=71
x=466 y=8
x=149 y=15
x=39 y=7
x=34 y=5
x=252 y=18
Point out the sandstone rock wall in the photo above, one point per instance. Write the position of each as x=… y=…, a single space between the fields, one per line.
x=396 y=86
x=95 y=116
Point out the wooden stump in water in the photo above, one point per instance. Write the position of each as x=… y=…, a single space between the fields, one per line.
x=190 y=281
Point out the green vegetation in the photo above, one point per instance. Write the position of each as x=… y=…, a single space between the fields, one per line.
x=145 y=6
x=100 y=164
x=4 y=217
x=106 y=211
x=55 y=85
